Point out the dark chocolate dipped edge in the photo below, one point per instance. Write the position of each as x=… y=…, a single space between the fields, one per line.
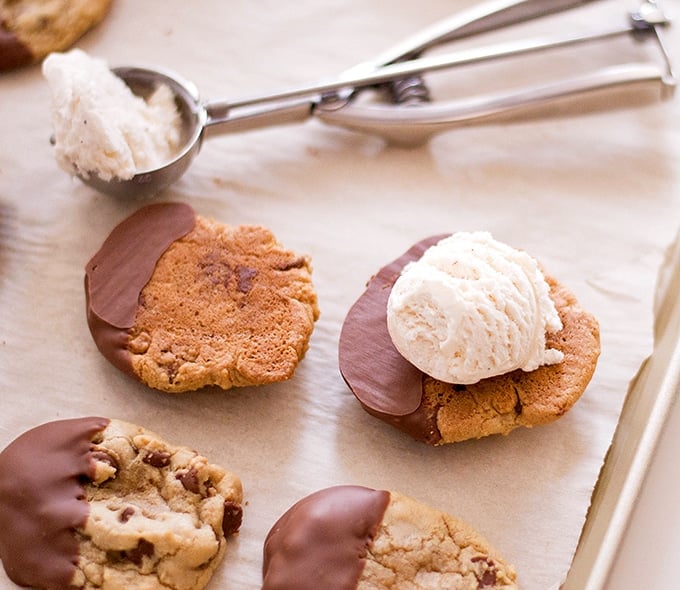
x=13 y=52
x=322 y=540
x=117 y=273
x=42 y=501
x=386 y=384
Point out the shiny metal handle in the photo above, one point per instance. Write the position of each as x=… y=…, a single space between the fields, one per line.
x=223 y=118
x=335 y=96
x=315 y=94
x=414 y=126
x=485 y=17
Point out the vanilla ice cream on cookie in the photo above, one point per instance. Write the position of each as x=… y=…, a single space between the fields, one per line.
x=100 y=126
x=466 y=308
x=472 y=308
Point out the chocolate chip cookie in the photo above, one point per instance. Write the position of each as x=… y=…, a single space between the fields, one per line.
x=181 y=302
x=93 y=502
x=358 y=538
x=393 y=390
x=30 y=29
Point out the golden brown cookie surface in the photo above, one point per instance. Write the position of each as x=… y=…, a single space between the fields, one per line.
x=392 y=389
x=500 y=404
x=225 y=306
x=30 y=29
x=204 y=304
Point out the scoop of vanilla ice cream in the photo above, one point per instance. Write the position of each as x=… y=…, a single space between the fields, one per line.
x=471 y=308
x=100 y=126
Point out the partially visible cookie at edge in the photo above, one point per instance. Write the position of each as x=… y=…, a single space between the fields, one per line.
x=96 y=502
x=431 y=411
x=358 y=538
x=31 y=29
x=181 y=302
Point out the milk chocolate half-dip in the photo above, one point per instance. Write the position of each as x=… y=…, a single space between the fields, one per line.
x=351 y=537
x=95 y=502
x=181 y=302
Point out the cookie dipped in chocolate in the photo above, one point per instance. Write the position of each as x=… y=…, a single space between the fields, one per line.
x=117 y=273
x=435 y=412
x=321 y=542
x=386 y=384
x=42 y=473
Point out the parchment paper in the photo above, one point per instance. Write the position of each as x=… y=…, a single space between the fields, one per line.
x=592 y=193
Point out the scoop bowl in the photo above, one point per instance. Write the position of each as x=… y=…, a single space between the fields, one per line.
x=145 y=183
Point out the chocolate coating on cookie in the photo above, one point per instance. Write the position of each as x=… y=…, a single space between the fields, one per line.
x=181 y=302
x=383 y=381
x=322 y=541
x=13 y=53
x=42 y=501
x=117 y=273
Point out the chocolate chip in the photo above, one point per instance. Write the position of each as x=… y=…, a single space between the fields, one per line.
x=518 y=406
x=488 y=576
x=169 y=363
x=298 y=262
x=245 y=276
x=126 y=514
x=104 y=457
x=144 y=549
x=488 y=579
x=157 y=458
x=215 y=269
x=190 y=481
x=232 y=519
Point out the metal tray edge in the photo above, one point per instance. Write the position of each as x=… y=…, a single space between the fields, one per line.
x=643 y=416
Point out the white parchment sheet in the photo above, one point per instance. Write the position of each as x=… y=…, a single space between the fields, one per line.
x=594 y=194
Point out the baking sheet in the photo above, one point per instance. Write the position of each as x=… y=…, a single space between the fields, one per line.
x=592 y=193
x=648 y=403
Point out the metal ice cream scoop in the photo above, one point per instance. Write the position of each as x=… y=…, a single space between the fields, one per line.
x=407 y=117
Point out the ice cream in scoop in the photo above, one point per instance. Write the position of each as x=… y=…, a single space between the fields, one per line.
x=100 y=126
